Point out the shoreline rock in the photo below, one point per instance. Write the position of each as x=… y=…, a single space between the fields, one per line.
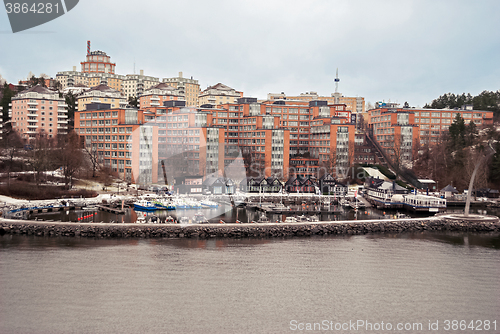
x=269 y=230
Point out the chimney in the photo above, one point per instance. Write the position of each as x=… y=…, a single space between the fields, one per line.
x=74 y=68
x=180 y=74
x=142 y=72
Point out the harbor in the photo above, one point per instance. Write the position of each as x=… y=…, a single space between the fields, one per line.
x=474 y=223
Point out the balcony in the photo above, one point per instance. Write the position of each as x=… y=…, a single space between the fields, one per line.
x=156 y=104
x=32 y=108
x=155 y=99
x=32 y=119
x=33 y=103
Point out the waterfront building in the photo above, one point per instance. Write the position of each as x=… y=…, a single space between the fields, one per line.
x=101 y=94
x=38 y=110
x=299 y=184
x=328 y=185
x=261 y=185
x=118 y=138
x=219 y=94
x=219 y=185
x=188 y=88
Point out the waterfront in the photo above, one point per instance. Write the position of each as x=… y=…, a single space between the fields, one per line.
x=230 y=215
x=80 y=285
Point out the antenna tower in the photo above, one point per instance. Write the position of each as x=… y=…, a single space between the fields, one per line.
x=337 y=81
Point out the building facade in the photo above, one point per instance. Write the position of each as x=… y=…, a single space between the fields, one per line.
x=218 y=94
x=38 y=110
x=101 y=94
x=118 y=139
x=353 y=104
x=98 y=62
x=188 y=88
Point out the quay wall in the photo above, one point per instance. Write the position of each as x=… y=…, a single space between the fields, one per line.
x=203 y=231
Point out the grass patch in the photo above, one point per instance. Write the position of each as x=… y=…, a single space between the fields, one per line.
x=27 y=190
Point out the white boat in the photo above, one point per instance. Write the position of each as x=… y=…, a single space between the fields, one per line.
x=206 y=203
x=199 y=218
x=290 y=219
x=314 y=218
x=302 y=219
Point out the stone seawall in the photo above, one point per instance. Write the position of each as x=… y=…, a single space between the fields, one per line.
x=109 y=230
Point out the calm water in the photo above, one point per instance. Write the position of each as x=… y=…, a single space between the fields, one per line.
x=228 y=214
x=73 y=285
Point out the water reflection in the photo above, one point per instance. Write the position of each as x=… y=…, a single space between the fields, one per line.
x=469 y=240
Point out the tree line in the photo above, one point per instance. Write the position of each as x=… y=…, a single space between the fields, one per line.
x=451 y=160
x=486 y=100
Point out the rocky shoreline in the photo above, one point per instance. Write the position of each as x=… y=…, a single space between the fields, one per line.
x=202 y=231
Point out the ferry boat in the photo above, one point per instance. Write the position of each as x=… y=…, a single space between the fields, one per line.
x=424 y=203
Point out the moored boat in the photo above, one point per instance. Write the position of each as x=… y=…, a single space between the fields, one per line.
x=143 y=205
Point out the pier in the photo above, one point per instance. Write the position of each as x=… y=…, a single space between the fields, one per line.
x=106 y=208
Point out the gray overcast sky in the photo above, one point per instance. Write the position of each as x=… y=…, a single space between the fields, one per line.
x=385 y=50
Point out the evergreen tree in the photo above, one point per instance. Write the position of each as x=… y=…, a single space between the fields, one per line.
x=457 y=132
x=8 y=94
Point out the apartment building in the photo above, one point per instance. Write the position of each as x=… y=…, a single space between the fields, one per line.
x=120 y=139
x=101 y=94
x=434 y=122
x=134 y=85
x=72 y=78
x=38 y=110
x=353 y=104
x=397 y=133
x=156 y=95
x=279 y=139
x=431 y=123
x=98 y=62
x=188 y=88
x=219 y=94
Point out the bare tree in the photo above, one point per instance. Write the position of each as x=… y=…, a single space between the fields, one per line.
x=69 y=156
x=13 y=144
x=40 y=155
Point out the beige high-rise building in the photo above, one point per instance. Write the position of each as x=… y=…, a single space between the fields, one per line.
x=219 y=94
x=102 y=94
x=189 y=88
